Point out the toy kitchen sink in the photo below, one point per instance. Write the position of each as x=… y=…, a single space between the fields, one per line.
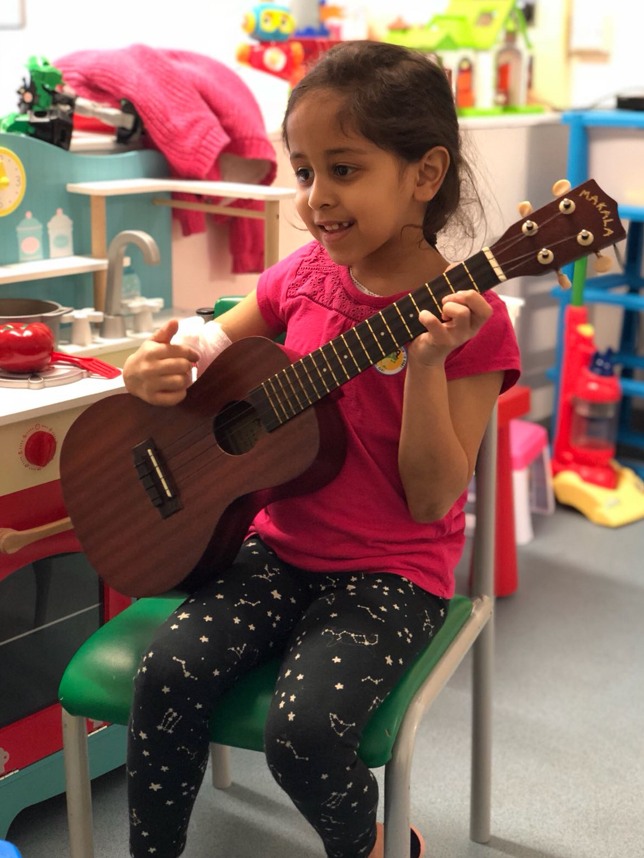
x=68 y=220
x=59 y=246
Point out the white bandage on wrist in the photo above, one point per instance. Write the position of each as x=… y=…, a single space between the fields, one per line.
x=207 y=339
x=212 y=341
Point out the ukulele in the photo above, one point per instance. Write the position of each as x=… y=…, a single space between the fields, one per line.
x=160 y=496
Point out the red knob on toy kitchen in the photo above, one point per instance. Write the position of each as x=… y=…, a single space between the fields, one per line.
x=40 y=448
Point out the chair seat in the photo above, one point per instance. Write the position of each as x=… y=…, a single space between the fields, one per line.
x=97 y=682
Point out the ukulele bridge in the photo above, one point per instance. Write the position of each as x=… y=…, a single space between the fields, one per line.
x=155 y=477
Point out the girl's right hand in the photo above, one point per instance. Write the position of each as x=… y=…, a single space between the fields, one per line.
x=160 y=372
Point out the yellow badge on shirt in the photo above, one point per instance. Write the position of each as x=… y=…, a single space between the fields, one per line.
x=393 y=363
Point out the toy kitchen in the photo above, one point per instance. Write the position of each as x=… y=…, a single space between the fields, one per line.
x=85 y=247
x=62 y=262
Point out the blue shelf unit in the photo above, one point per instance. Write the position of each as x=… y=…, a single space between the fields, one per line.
x=623 y=289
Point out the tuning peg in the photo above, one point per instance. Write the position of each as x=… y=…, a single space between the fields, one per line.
x=561 y=186
x=563 y=280
x=602 y=264
x=525 y=208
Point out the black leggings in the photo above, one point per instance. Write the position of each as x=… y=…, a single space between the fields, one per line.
x=345 y=641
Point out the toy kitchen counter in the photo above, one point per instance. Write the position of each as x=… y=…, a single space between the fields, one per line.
x=51 y=600
x=32 y=397
x=34 y=419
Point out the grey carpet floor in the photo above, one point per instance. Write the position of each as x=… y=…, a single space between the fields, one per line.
x=568 y=771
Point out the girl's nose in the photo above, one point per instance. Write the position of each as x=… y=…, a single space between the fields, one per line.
x=319 y=194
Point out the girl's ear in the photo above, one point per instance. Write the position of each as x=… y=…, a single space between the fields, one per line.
x=432 y=168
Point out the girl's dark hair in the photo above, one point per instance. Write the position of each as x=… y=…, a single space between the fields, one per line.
x=402 y=101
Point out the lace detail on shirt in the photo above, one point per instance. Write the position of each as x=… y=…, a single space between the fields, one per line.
x=320 y=280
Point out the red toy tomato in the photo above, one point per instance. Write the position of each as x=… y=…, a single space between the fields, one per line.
x=25 y=347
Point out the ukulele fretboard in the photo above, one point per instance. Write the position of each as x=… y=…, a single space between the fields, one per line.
x=307 y=380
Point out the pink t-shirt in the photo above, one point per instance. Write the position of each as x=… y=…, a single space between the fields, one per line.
x=360 y=520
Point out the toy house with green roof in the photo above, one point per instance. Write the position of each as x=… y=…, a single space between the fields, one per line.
x=484 y=47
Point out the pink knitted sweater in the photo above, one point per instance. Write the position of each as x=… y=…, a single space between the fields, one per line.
x=194 y=109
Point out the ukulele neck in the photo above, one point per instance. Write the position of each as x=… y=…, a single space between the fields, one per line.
x=314 y=376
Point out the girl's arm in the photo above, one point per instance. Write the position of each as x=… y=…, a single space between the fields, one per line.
x=160 y=371
x=443 y=422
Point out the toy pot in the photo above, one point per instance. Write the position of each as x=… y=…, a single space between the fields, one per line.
x=29 y=310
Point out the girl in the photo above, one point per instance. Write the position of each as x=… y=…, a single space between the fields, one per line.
x=349 y=582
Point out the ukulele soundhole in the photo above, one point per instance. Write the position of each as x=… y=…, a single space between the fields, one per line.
x=237 y=428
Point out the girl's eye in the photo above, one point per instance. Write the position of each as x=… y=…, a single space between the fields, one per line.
x=303 y=175
x=345 y=171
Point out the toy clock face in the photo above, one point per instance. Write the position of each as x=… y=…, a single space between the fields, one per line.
x=13 y=181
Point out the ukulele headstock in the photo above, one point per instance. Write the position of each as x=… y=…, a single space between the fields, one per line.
x=581 y=221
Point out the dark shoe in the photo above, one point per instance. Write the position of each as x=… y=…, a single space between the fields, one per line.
x=416 y=843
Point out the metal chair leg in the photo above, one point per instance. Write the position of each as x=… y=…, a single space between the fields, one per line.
x=397 y=801
x=220 y=764
x=483 y=649
x=481 y=784
x=78 y=787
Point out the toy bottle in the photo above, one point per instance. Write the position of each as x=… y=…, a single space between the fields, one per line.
x=595 y=401
x=30 y=234
x=60 y=229
x=584 y=441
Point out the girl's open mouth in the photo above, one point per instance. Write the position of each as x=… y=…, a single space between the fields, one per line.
x=331 y=230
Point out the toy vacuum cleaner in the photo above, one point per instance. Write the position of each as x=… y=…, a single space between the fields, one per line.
x=585 y=473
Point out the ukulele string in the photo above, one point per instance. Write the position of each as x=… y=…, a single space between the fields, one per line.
x=191 y=451
x=516 y=262
x=283 y=387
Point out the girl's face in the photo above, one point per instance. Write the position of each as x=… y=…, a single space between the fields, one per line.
x=354 y=197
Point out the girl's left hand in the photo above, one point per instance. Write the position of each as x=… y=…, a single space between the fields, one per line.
x=464 y=314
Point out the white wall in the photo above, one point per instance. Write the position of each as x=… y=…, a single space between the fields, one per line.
x=618 y=28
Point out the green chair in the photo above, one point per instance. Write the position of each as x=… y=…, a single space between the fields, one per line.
x=98 y=685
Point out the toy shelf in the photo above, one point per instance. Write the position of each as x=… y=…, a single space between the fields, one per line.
x=224 y=194
x=42 y=269
x=603 y=144
x=225 y=190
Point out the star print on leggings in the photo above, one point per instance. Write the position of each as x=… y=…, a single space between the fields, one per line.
x=343 y=640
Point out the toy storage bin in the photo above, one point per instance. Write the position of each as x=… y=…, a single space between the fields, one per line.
x=531 y=476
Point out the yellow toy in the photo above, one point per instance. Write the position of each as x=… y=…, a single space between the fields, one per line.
x=609 y=507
